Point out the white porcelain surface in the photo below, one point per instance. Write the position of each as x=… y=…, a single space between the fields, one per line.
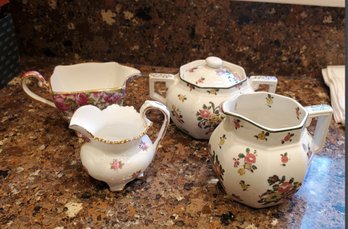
x=118 y=149
x=262 y=149
x=212 y=73
x=194 y=94
x=90 y=76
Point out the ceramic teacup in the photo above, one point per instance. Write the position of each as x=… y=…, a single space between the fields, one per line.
x=72 y=86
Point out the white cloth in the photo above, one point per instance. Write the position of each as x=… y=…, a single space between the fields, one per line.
x=334 y=77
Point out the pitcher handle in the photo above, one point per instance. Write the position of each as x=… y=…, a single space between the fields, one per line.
x=149 y=105
x=324 y=114
x=168 y=79
x=42 y=83
x=271 y=81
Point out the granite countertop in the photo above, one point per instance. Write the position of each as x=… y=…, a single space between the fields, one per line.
x=43 y=183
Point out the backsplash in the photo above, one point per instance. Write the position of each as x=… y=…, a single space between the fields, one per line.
x=274 y=39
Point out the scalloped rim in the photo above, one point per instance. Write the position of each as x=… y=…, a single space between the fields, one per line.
x=125 y=140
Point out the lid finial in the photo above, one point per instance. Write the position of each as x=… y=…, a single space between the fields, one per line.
x=214 y=62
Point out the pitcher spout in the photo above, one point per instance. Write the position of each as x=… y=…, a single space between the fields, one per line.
x=81 y=121
x=127 y=74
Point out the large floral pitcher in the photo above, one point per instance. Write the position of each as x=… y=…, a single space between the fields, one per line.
x=262 y=149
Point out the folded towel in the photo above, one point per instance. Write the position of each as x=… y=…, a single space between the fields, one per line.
x=334 y=77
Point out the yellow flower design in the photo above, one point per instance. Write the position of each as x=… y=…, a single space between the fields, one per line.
x=262 y=135
x=241 y=171
x=269 y=100
x=182 y=98
x=222 y=140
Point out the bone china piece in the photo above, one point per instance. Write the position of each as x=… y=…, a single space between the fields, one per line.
x=195 y=93
x=262 y=149
x=72 y=86
x=118 y=149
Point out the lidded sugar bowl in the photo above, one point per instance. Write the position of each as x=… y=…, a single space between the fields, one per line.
x=194 y=94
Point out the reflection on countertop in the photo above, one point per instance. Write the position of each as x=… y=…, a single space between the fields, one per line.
x=43 y=183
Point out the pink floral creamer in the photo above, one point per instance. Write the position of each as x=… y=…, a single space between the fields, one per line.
x=119 y=149
x=72 y=86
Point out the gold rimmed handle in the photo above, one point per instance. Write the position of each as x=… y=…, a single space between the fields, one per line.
x=150 y=105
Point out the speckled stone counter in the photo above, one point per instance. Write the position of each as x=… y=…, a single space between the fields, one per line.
x=43 y=184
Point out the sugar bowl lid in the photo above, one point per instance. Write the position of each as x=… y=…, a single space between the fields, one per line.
x=212 y=72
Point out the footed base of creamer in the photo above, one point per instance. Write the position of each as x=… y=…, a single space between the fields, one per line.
x=117 y=187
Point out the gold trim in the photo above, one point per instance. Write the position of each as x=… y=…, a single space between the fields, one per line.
x=87 y=91
x=123 y=140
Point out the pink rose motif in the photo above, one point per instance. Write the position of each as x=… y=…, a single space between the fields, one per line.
x=81 y=99
x=284 y=159
x=250 y=158
x=116 y=165
x=285 y=187
x=96 y=95
x=59 y=101
x=205 y=114
x=112 y=98
x=143 y=146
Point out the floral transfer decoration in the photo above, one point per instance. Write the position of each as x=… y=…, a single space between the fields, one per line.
x=249 y=161
x=284 y=158
x=143 y=146
x=287 y=138
x=192 y=69
x=298 y=113
x=237 y=124
x=279 y=189
x=177 y=114
x=308 y=150
x=192 y=87
x=236 y=197
x=136 y=174
x=69 y=102
x=182 y=98
x=200 y=80
x=222 y=140
x=116 y=165
x=209 y=117
x=244 y=185
x=269 y=100
x=213 y=91
x=262 y=136
x=219 y=171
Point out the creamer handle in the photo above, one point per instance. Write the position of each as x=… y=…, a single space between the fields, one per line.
x=271 y=81
x=324 y=114
x=42 y=83
x=149 y=105
x=168 y=79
